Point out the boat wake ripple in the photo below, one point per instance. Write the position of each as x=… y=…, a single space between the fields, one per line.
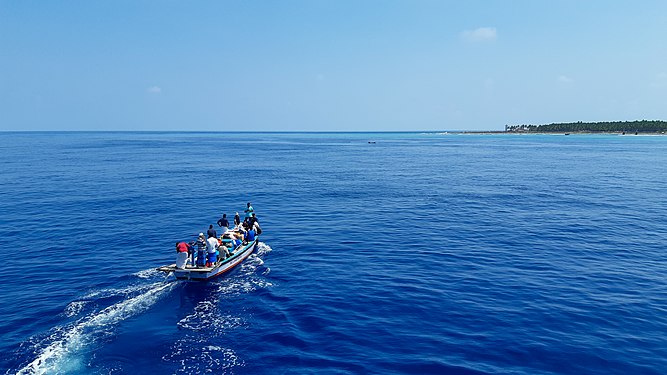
x=208 y=317
x=196 y=356
x=64 y=350
x=194 y=353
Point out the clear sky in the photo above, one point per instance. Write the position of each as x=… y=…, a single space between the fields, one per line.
x=329 y=65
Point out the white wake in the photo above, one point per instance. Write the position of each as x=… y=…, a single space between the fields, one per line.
x=64 y=354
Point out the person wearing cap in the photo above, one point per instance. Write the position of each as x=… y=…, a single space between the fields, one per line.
x=201 y=250
x=237 y=219
x=223 y=222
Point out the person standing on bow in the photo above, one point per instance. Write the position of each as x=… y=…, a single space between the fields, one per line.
x=249 y=211
x=237 y=220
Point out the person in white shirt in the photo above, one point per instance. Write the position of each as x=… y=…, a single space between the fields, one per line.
x=211 y=248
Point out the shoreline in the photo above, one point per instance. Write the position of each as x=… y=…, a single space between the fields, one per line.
x=482 y=132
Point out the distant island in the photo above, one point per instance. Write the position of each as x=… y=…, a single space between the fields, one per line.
x=632 y=127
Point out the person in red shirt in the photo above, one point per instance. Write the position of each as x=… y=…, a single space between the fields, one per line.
x=182 y=247
x=183 y=251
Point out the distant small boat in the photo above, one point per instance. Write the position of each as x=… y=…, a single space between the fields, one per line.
x=567 y=133
x=219 y=268
x=371 y=142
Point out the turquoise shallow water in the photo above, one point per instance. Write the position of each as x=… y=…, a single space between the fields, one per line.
x=420 y=253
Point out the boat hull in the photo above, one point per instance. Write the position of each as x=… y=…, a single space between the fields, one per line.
x=207 y=273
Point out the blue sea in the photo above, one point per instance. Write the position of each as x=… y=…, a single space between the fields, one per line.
x=420 y=253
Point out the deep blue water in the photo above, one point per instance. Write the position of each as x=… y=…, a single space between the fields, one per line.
x=419 y=254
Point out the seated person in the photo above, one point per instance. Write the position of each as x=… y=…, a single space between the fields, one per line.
x=250 y=235
x=222 y=247
x=237 y=233
x=225 y=250
x=232 y=243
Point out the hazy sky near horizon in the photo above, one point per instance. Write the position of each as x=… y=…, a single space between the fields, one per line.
x=329 y=65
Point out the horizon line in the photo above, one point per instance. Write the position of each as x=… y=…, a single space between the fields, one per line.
x=248 y=131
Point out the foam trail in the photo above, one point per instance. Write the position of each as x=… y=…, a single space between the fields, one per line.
x=60 y=355
x=64 y=353
x=209 y=321
x=263 y=248
x=147 y=273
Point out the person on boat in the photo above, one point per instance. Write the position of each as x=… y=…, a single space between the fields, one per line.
x=211 y=232
x=257 y=228
x=237 y=219
x=237 y=237
x=191 y=253
x=223 y=249
x=249 y=210
x=249 y=221
x=250 y=235
x=201 y=250
x=223 y=222
x=182 y=249
x=211 y=248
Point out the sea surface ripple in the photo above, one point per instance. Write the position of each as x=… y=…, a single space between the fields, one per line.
x=419 y=253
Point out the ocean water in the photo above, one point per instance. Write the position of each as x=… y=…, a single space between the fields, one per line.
x=421 y=253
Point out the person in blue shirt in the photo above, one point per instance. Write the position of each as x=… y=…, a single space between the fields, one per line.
x=211 y=232
x=223 y=222
x=250 y=235
x=249 y=210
